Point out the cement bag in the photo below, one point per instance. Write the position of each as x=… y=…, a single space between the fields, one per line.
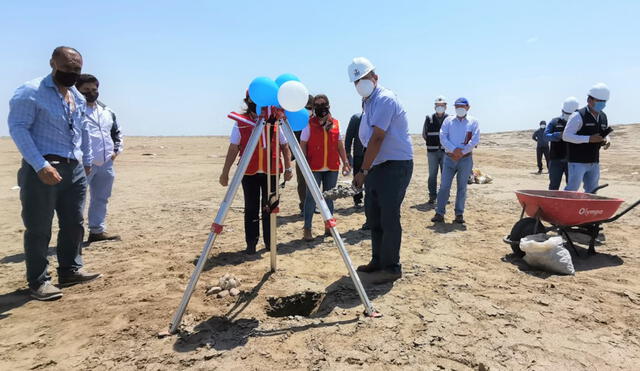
x=547 y=253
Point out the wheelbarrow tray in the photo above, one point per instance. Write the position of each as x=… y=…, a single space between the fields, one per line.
x=567 y=208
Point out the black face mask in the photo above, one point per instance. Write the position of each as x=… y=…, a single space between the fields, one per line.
x=67 y=79
x=91 y=97
x=321 y=110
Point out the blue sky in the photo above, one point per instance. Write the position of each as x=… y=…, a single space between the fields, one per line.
x=177 y=68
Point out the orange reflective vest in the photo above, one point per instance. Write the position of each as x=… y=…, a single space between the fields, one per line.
x=322 y=147
x=258 y=163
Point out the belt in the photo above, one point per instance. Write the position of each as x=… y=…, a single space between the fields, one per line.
x=59 y=159
x=467 y=155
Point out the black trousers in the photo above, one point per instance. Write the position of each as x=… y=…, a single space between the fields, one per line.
x=357 y=165
x=254 y=188
x=540 y=151
x=386 y=186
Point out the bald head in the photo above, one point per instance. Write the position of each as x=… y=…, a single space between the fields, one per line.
x=66 y=59
x=66 y=65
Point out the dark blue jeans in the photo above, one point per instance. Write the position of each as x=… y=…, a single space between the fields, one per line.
x=39 y=201
x=327 y=180
x=556 y=169
x=385 y=188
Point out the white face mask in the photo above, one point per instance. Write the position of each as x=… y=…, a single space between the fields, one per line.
x=542 y=127
x=461 y=112
x=365 y=88
x=440 y=109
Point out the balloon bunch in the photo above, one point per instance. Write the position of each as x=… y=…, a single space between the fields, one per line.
x=285 y=92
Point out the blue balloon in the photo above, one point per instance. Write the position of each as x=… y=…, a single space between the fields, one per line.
x=298 y=120
x=286 y=77
x=263 y=92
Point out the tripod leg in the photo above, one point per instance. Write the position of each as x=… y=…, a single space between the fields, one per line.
x=274 y=213
x=326 y=216
x=216 y=227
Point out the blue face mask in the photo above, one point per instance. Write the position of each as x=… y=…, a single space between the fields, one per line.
x=599 y=106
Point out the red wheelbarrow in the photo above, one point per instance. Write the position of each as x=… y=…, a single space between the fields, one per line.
x=566 y=211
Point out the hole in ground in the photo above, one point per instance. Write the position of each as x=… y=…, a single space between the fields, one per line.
x=301 y=304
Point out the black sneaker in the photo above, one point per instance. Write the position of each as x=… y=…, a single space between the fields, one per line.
x=432 y=200
x=386 y=276
x=75 y=277
x=46 y=292
x=459 y=219
x=103 y=236
x=365 y=227
x=437 y=218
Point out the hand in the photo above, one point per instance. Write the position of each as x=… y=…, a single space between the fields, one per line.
x=358 y=180
x=606 y=145
x=87 y=170
x=346 y=169
x=288 y=174
x=224 y=179
x=49 y=175
x=596 y=138
x=457 y=154
x=113 y=156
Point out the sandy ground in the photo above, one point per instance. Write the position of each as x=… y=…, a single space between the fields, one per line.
x=464 y=302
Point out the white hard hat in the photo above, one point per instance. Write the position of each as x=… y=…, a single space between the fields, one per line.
x=570 y=105
x=359 y=67
x=599 y=91
x=441 y=99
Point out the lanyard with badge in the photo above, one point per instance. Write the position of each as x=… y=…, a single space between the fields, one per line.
x=66 y=107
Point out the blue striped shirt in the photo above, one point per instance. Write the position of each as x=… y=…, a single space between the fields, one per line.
x=41 y=123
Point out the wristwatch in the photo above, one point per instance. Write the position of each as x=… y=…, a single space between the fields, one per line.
x=288 y=170
x=365 y=172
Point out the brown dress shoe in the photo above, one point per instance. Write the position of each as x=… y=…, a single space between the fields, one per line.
x=75 y=277
x=306 y=235
x=368 y=268
x=103 y=236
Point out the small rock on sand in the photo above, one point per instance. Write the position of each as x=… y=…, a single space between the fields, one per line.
x=223 y=293
x=234 y=292
x=214 y=290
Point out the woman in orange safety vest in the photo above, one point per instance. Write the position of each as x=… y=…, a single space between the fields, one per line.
x=323 y=146
x=254 y=182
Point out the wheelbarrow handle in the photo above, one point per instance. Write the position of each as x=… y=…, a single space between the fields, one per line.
x=599 y=188
x=613 y=219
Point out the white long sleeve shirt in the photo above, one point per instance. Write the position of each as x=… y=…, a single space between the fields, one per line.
x=574 y=124
x=463 y=133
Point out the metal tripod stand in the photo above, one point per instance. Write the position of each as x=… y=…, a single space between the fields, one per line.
x=217 y=226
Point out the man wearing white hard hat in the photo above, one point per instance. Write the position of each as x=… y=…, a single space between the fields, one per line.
x=435 y=150
x=558 y=149
x=386 y=169
x=587 y=130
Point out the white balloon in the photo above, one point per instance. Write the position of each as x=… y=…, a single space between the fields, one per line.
x=293 y=96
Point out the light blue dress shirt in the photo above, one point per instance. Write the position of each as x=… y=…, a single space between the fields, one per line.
x=382 y=109
x=463 y=133
x=42 y=123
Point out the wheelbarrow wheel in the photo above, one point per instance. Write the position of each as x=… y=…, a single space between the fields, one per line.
x=523 y=228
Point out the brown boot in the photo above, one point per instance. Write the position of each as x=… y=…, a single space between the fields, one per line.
x=306 y=235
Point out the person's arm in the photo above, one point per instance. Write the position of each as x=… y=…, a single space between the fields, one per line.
x=549 y=134
x=534 y=136
x=350 y=135
x=22 y=114
x=85 y=146
x=573 y=126
x=427 y=121
x=374 y=147
x=116 y=135
x=444 y=137
x=232 y=153
x=343 y=156
x=475 y=138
